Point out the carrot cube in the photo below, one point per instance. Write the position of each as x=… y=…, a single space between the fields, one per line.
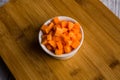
x=56 y=38
x=67 y=49
x=75 y=44
x=44 y=28
x=78 y=36
x=64 y=30
x=58 y=31
x=56 y=20
x=59 y=51
x=52 y=43
x=49 y=47
x=64 y=24
x=69 y=42
x=77 y=25
x=50 y=26
x=70 y=25
x=49 y=37
x=59 y=45
x=44 y=42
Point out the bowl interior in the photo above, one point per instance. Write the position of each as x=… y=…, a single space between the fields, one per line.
x=63 y=55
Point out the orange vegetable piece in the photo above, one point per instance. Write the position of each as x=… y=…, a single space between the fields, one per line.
x=72 y=35
x=75 y=44
x=76 y=28
x=64 y=24
x=78 y=36
x=67 y=49
x=59 y=51
x=70 y=25
x=63 y=43
x=59 y=45
x=58 y=31
x=56 y=38
x=56 y=20
x=44 y=28
x=77 y=25
x=56 y=26
x=44 y=36
x=49 y=47
x=64 y=30
x=50 y=26
x=44 y=42
x=69 y=42
x=49 y=37
x=52 y=43
x=66 y=37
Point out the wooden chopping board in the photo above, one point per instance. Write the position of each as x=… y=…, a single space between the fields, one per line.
x=97 y=59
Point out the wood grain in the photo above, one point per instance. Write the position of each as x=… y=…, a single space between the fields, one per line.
x=97 y=59
x=113 y=5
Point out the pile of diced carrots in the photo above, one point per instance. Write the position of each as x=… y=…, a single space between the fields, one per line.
x=61 y=36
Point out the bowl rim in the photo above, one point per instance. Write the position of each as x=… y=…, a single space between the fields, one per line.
x=66 y=54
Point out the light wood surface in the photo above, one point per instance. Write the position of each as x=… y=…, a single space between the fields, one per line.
x=97 y=59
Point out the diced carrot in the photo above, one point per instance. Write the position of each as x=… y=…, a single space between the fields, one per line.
x=75 y=44
x=44 y=42
x=66 y=37
x=72 y=35
x=64 y=30
x=52 y=43
x=70 y=25
x=44 y=28
x=50 y=26
x=78 y=36
x=56 y=26
x=63 y=43
x=64 y=24
x=44 y=37
x=67 y=49
x=58 y=31
x=59 y=45
x=49 y=37
x=77 y=25
x=61 y=36
x=75 y=30
x=49 y=47
x=69 y=42
x=56 y=20
x=56 y=38
x=59 y=51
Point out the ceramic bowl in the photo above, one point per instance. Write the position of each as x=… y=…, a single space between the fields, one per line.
x=67 y=55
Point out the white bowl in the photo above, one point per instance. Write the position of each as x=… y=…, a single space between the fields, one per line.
x=63 y=56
